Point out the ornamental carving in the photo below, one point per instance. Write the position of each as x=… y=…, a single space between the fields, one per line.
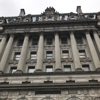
x=35 y=47
x=82 y=46
x=72 y=16
x=27 y=18
x=86 y=59
x=66 y=60
x=22 y=98
x=47 y=98
x=64 y=46
x=13 y=62
x=52 y=60
x=2 y=20
x=73 y=98
x=31 y=61
x=17 y=48
x=72 y=91
x=49 y=47
x=23 y=92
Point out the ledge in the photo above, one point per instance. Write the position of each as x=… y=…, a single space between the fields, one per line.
x=50 y=73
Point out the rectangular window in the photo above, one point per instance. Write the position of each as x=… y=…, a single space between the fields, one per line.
x=31 y=69
x=35 y=42
x=86 y=67
x=49 y=68
x=82 y=54
x=49 y=54
x=65 y=54
x=63 y=40
x=13 y=69
x=17 y=56
x=67 y=68
x=79 y=40
x=20 y=42
x=49 y=41
x=33 y=55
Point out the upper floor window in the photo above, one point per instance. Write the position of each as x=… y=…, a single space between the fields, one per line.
x=13 y=69
x=63 y=40
x=86 y=67
x=65 y=54
x=35 y=42
x=79 y=40
x=49 y=68
x=20 y=42
x=49 y=41
x=17 y=56
x=67 y=68
x=82 y=54
x=49 y=54
x=31 y=69
x=33 y=55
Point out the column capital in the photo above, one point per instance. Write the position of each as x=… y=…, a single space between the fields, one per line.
x=5 y=35
x=26 y=35
x=71 y=32
x=86 y=30
x=12 y=35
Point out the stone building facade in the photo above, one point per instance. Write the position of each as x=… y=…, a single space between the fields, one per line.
x=50 y=56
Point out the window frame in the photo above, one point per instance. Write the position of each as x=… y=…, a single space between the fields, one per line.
x=47 y=41
x=67 y=54
x=31 y=67
x=35 y=42
x=78 y=41
x=49 y=57
x=67 y=67
x=34 y=55
x=80 y=56
x=16 y=54
x=11 y=69
x=20 y=41
x=85 y=65
x=48 y=67
x=64 y=41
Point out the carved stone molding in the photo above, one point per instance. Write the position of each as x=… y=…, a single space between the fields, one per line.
x=87 y=59
x=35 y=47
x=31 y=61
x=82 y=46
x=66 y=60
x=52 y=60
x=74 y=98
x=13 y=62
x=17 y=48
x=49 y=47
x=64 y=46
x=72 y=91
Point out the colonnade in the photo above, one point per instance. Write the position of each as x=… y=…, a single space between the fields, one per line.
x=39 y=66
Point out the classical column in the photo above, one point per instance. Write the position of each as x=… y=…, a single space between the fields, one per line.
x=40 y=54
x=22 y=59
x=77 y=64
x=57 y=54
x=97 y=40
x=6 y=54
x=93 y=51
x=2 y=45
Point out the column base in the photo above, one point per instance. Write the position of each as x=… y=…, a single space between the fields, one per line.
x=79 y=69
x=19 y=71
x=38 y=70
x=58 y=70
x=1 y=72
x=98 y=69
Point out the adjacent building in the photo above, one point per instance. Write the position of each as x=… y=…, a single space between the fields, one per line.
x=50 y=56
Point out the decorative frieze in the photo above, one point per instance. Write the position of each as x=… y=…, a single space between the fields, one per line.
x=81 y=46
x=86 y=59
x=52 y=60
x=64 y=46
x=13 y=62
x=35 y=47
x=31 y=61
x=17 y=48
x=66 y=60
x=49 y=47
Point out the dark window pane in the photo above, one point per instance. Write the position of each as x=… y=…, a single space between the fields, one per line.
x=35 y=42
x=67 y=68
x=31 y=69
x=49 y=41
x=13 y=69
x=63 y=40
x=86 y=67
x=49 y=68
x=79 y=40
x=20 y=42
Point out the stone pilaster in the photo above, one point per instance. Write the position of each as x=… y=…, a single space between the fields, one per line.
x=40 y=54
x=57 y=54
x=6 y=54
x=93 y=51
x=22 y=59
x=2 y=44
x=77 y=64
x=97 y=40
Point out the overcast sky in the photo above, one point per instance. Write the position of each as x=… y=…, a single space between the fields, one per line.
x=12 y=7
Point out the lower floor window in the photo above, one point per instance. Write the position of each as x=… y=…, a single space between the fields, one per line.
x=86 y=67
x=67 y=68
x=31 y=69
x=13 y=69
x=49 y=68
